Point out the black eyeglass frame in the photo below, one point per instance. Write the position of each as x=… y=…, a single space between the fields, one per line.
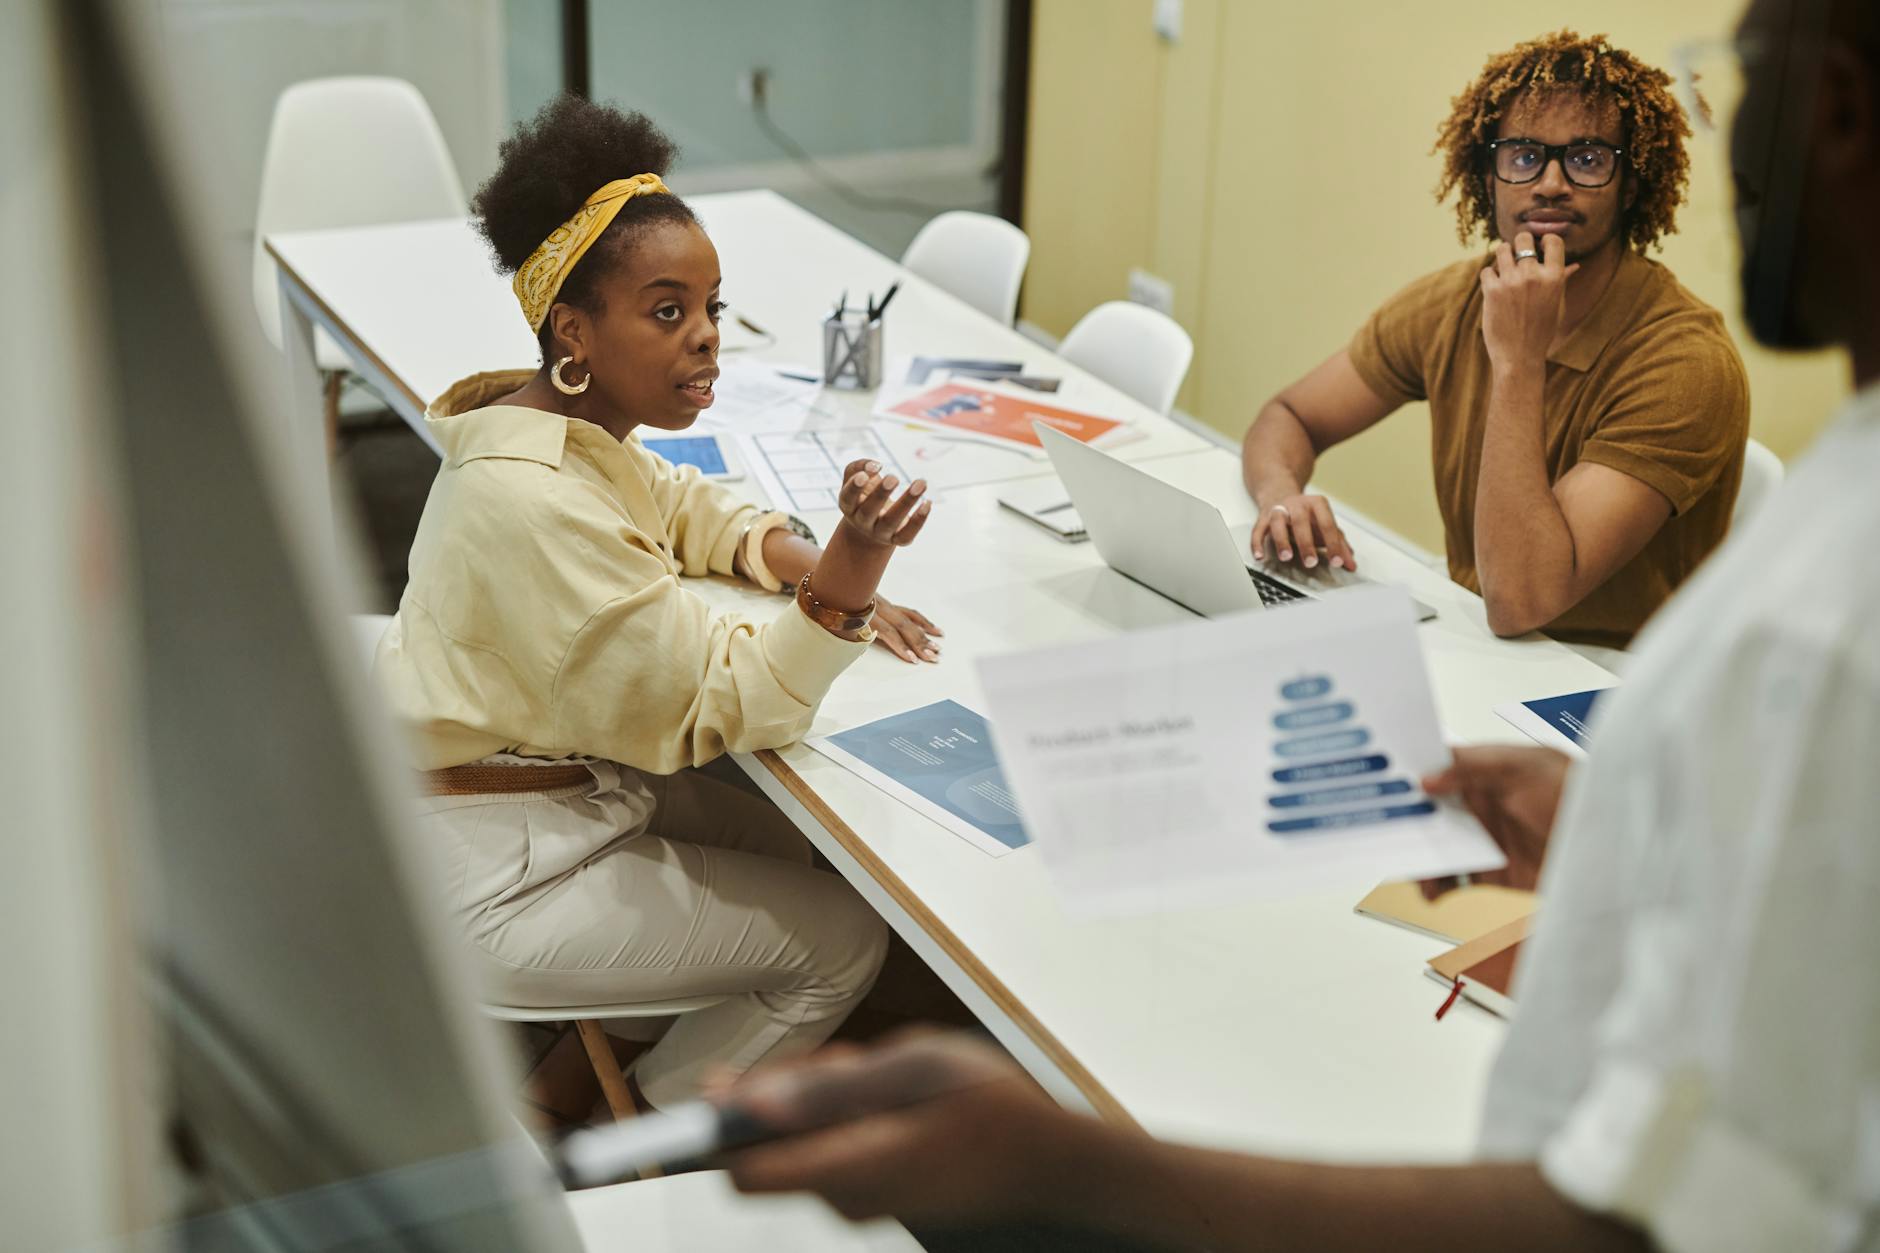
x=1552 y=153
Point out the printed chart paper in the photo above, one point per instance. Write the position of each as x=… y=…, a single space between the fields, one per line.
x=751 y=396
x=919 y=372
x=1000 y=415
x=938 y=760
x=1557 y=721
x=1260 y=755
x=801 y=471
x=920 y=369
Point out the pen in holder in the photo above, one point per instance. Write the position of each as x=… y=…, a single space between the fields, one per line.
x=852 y=349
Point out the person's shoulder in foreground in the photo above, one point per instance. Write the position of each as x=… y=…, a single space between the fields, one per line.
x=1722 y=832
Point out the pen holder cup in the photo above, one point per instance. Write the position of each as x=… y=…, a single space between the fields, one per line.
x=851 y=351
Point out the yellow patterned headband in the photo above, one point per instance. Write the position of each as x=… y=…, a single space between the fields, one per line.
x=539 y=279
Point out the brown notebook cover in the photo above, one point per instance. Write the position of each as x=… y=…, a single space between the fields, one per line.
x=1455 y=917
x=1486 y=966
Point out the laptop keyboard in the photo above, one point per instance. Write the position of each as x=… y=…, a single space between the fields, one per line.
x=1273 y=592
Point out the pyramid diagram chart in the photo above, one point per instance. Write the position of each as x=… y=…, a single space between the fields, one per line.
x=1333 y=776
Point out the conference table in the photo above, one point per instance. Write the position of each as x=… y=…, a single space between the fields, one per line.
x=1295 y=1026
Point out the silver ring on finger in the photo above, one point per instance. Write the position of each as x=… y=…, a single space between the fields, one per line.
x=1527 y=254
x=1281 y=510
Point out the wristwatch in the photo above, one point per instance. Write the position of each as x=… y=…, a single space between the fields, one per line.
x=799 y=527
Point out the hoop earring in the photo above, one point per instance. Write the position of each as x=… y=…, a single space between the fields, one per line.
x=554 y=376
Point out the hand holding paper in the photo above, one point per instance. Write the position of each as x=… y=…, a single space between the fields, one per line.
x=1265 y=754
x=1514 y=793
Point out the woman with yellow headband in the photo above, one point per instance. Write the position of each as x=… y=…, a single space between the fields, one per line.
x=560 y=679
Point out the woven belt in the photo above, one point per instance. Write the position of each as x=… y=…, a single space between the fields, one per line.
x=477 y=780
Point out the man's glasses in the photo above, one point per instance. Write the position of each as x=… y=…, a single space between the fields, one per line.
x=1588 y=163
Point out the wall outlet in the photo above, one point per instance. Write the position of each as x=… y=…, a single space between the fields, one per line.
x=1168 y=19
x=1152 y=290
x=754 y=86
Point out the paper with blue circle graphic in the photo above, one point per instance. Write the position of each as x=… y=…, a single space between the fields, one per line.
x=1265 y=754
x=937 y=759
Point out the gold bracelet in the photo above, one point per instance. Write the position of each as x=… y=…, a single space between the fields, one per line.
x=754 y=564
x=836 y=621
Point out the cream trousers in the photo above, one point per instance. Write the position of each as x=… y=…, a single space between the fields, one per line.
x=642 y=887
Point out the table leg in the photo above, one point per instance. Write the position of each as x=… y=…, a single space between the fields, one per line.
x=304 y=409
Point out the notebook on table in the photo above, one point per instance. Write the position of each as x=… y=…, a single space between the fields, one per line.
x=1045 y=503
x=1455 y=917
x=1484 y=967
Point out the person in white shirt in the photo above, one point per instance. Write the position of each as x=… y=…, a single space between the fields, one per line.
x=1696 y=1060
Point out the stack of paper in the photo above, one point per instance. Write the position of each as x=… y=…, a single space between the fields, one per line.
x=1000 y=414
x=751 y=396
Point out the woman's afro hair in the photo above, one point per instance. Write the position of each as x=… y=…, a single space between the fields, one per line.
x=554 y=162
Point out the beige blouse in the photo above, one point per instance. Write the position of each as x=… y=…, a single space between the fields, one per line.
x=545 y=615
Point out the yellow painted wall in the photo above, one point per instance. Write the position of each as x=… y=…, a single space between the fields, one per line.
x=1274 y=165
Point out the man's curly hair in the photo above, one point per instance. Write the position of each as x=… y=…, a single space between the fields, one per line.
x=1653 y=124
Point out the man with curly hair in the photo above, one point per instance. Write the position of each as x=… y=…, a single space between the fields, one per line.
x=1588 y=413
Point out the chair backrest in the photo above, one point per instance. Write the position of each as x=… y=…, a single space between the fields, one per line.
x=1762 y=474
x=348 y=152
x=979 y=258
x=367 y=630
x=1134 y=349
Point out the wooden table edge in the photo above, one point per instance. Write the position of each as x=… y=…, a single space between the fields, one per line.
x=339 y=325
x=1106 y=1105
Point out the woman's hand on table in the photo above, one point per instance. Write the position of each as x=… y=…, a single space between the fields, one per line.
x=878 y=523
x=874 y=523
x=868 y=504
x=905 y=632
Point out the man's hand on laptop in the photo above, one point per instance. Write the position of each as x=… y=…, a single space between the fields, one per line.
x=1299 y=528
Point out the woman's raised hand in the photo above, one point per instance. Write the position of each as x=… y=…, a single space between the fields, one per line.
x=874 y=513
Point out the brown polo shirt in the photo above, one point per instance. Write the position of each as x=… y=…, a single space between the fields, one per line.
x=1648 y=384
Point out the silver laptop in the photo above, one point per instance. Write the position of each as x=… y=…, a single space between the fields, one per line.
x=1174 y=543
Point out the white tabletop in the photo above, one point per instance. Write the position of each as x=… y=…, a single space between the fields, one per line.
x=1296 y=1027
x=702 y=1213
x=419 y=305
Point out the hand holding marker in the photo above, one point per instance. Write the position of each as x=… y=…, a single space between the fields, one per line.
x=774 y=1103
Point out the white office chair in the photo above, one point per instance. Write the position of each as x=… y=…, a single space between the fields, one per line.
x=1762 y=475
x=1134 y=349
x=347 y=152
x=368 y=629
x=588 y=1020
x=979 y=258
